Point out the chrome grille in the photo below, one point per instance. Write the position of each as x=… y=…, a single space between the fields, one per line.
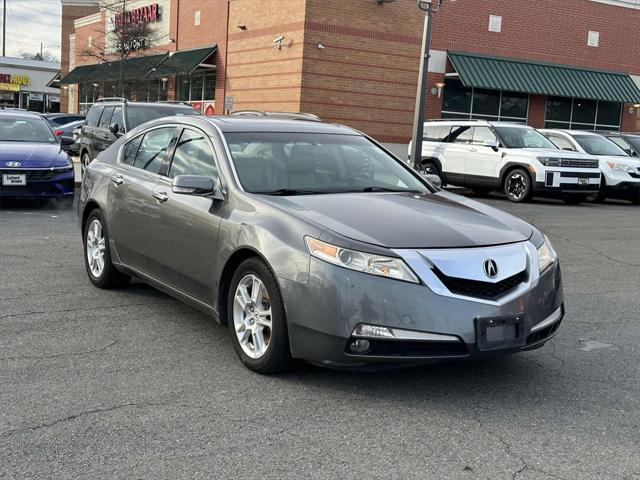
x=34 y=175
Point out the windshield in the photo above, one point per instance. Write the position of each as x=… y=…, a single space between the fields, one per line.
x=519 y=137
x=139 y=114
x=21 y=129
x=634 y=140
x=599 y=145
x=282 y=163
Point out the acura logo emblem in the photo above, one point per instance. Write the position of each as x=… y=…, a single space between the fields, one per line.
x=490 y=268
x=13 y=164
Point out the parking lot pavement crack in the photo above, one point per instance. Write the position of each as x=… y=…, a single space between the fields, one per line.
x=69 y=310
x=85 y=413
x=593 y=249
x=58 y=355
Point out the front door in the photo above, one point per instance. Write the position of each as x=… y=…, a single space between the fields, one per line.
x=184 y=237
x=482 y=164
x=131 y=205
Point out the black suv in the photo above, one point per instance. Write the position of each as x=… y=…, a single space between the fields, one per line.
x=110 y=118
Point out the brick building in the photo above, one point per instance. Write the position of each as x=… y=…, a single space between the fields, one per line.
x=550 y=62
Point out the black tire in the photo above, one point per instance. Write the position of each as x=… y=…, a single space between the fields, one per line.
x=634 y=198
x=574 y=198
x=601 y=196
x=481 y=192
x=110 y=278
x=517 y=186
x=277 y=357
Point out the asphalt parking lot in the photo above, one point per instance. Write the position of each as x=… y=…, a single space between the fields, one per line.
x=133 y=384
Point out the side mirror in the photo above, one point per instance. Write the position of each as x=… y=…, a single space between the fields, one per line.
x=493 y=144
x=434 y=180
x=194 y=185
x=114 y=128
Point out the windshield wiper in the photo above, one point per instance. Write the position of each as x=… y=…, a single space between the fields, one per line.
x=289 y=191
x=385 y=189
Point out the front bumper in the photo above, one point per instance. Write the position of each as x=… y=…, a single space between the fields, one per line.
x=41 y=186
x=323 y=314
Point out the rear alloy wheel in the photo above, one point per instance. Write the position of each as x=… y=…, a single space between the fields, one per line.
x=257 y=319
x=517 y=186
x=97 y=258
x=85 y=160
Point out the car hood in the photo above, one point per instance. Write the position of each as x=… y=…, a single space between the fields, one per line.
x=552 y=152
x=397 y=220
x=32 y=155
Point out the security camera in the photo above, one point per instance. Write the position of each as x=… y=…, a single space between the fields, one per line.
x=279 y=39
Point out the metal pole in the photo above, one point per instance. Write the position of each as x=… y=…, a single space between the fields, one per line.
x=418 y=118
x=4 y=27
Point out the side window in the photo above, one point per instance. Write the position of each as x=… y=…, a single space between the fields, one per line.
x=193 y=156
x=437 y=133
x=481 y=135
x=93 y=116
x=561 y=143
x=130 y=150
x=105 y=118
x=460 y=134
x=152 y=149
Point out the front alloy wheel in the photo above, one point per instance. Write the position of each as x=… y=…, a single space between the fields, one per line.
x=97 y=257
x=517 y=186
x=252 y=316
x=256 y=318
x=85 y=160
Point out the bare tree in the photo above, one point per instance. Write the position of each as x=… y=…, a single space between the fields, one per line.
x=44 y=56
x=125 y=34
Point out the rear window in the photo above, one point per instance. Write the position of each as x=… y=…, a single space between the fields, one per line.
x=437 y=133
x=139 y=114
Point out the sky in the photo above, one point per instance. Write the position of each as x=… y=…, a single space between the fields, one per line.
x=30 y=22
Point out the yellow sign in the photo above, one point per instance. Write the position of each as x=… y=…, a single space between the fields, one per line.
x=9 y=87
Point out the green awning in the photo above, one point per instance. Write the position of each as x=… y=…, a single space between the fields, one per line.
x=182 y=62
x=497 y=73
x=81 y=74
x=132 y=68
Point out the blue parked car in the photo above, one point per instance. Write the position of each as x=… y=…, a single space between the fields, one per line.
x=32 y=164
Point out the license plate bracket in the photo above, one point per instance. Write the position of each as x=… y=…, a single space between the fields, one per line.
x=583 y=181
x=498 y=333
x=14 y=179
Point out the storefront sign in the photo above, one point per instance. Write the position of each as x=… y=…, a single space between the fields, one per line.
x=146 y=14
x=9 y=87
x=36 y=97
x=210 y=108
x=14 y=79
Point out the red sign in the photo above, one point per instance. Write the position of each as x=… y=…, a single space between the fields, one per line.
x=210 y=109
x=149 y=13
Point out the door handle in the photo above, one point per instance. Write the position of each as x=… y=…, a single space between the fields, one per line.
x=117 y=180
x=160 y=196
x=473 y=149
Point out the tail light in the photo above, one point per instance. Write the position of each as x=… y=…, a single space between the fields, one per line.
x=58 y=133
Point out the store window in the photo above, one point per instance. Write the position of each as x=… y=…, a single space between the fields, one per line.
x=469 y=103
x=196 y=87
x=582 y=114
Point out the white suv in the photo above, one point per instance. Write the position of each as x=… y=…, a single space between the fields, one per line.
x=487 y=156
x=620 y=172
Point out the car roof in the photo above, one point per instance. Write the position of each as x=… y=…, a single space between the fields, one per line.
x=474 y=123
x=242 y=123
x=574 y=132
x=109 y=103
x=20 y=114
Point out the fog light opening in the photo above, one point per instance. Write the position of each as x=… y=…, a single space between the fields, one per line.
x=360 y=346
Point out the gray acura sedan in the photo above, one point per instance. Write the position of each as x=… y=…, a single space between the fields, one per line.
x=311 y=241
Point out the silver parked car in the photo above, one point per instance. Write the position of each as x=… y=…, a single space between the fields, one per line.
x=312 y=241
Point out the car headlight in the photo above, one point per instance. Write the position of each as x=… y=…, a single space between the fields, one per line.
x=550 y=161
x=620 y=167
x=362 y=262
x=546 y=255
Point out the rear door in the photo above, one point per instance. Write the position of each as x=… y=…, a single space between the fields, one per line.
x=184 y=234
x=131 y=204
x=102 y=133
x=455 y=153
x=483 y=162
x=89 y=129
